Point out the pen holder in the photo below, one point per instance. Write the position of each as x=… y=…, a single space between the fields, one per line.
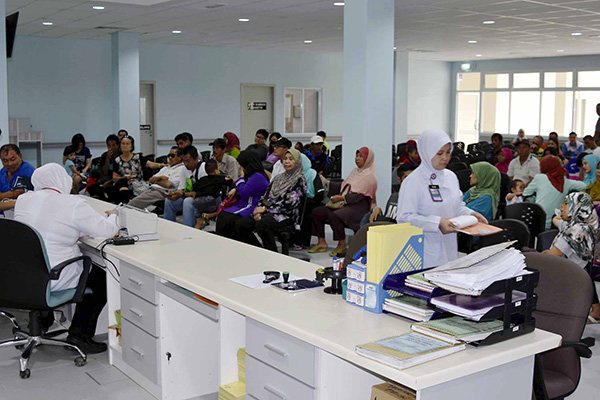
x=336 y=280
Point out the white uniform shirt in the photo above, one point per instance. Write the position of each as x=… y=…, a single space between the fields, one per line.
x=525 y=171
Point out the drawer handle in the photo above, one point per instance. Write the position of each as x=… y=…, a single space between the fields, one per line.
x=276 y=350
x=136 y=313
x=135 y=281
x=136 y=351
x=275 y=392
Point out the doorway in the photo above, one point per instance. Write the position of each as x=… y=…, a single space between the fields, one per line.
x=467 y=118
x=257 y=111
x=147 y=118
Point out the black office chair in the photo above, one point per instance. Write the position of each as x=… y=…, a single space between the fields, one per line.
x=464 y=179
x=205 y=156
x=545 y=239
x=532 y=214
x=564 y=299
x=504 y=185
x=394 y=156
x=457 y=166
x=512 y=229
x=459 y=145
x=25 y=278
x=472 y=147
x=401 y=148
x=469 y=159
x=162 y=159
x=479 y=156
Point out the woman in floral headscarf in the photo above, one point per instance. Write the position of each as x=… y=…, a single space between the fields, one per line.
x=577 y=224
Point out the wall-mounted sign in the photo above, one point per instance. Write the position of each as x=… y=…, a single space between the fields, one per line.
x=257 y=105
x=145 y=127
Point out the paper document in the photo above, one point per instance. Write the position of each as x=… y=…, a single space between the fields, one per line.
x=256 y=281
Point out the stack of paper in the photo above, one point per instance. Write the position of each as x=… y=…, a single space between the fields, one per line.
x=417 y=281
x=232 y=391
x=473 y=278
x=409 y=307
x=472 y=307
x=407 y=350
x=241 y=357
x=457 y=329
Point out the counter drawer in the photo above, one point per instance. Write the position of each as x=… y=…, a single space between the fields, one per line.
x=138 y=282
x=140 y=350
x=265 y=382
x=282 y=351
x=139 y=312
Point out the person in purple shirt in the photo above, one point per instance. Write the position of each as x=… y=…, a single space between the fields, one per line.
x=249 y=189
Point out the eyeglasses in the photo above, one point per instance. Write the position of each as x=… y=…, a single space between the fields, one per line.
x=172 y=155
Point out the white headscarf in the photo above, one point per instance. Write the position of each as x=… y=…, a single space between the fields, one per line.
x=52 y=176
x=428 y=144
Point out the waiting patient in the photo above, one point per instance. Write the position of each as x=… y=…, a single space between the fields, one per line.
x=171 y=177
x=206 y=192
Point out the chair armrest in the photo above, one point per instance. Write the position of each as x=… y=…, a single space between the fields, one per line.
x=87 y=266
x=55 y=272
x=580 y=348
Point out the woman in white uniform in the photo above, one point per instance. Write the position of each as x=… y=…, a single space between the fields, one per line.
x=431 y=196
x=61 y=219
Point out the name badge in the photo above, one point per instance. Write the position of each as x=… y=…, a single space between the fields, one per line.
x=434 y=192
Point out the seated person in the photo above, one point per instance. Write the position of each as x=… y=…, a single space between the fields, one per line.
x=226 y=163
x=356 y=198
x=61 y=219
x=206 y=192
x=280 y=147
x=106 y=167
x=299 y=146
x=76 y=176
x=184 y=139
x=233 y=144
x=593 y=189
x=181 y=200
x=573 y=147
x=248 y=190
x=325 y=144
x=259 y=146
x=127 y=175
x=315 y=192
x=15 y=177
x=83 y=156
x=497 y=142
x=121 y=134
x=391 y=208
x=516 y=187
x=520 y=136
x=318 y=158
x=171 y=177
x=504 y=158
x=278 y=209
x=590 y=145
x=576 y=239
x=484 y=194
x=537 y=146
x=271 y=158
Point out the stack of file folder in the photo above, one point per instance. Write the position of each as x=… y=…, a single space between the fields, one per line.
x=409 y=307
x=473 y=308
x=232 y=391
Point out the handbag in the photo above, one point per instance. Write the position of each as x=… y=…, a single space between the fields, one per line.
x=336 y=205
x=227 y=203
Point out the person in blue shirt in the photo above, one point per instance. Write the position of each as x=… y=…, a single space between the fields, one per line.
x=484 y=194
x=573 y=147
x=318 y=158
x=15 y=177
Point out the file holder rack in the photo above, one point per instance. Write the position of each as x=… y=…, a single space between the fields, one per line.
x=517 y=316
x=397 y=282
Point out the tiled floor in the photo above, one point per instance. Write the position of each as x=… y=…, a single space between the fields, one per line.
x=54 y=375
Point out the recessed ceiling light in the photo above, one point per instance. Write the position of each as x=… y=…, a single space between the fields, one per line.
x=244 y=20
x=339 y=4
x=576 y=34
x=489 y=22
x=176 y=32
x=308 y=41
x=472 y=41
x=395 y=47
x=98 y=7
x=47 y=23
x=560 y=51
x=477 y=55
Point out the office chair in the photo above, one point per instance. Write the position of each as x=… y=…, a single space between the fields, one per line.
x=504 y=189
x=25 y=284
x=512 y=229
x=463 y=176
x=532 y=214
x=286 y=234
x=360 y=240
x=564 y=299
x=544 y=239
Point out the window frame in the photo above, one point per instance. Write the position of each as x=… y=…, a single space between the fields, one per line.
x=319 y=111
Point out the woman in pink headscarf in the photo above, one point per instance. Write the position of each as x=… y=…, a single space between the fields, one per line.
x=233 y=144
x=504 y=158
x=356 y=198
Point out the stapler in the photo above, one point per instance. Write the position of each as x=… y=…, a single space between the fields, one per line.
x=270 y=276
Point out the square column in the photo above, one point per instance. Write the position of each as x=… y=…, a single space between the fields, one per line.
x=126 y=84
x=401 y=97
x=369 y=87
x=3 y=78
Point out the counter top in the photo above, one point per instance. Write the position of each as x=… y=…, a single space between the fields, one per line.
x=203 y=263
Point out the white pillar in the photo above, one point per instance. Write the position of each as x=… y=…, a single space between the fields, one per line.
x=126 y=84
x=369 y=86
x=3 y=77
x=401 y=97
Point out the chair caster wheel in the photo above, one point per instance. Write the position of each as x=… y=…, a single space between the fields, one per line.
x=80 y=361
x=25 y=374
x=20 y=347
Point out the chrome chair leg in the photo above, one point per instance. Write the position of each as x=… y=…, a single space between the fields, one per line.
x=12 y=319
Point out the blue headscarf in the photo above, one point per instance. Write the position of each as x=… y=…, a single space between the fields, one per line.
x=310 y=175
x=593 y=161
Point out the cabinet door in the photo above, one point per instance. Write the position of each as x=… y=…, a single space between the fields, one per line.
x=189 y=351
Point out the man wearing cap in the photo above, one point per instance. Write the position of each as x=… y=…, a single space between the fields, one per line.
x=526 y=166
x=227 y=164
x=318 y=158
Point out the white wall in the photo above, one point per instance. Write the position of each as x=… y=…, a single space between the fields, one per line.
x=429 y=92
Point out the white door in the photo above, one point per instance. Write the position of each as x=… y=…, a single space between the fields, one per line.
x=258 y=111
x=147 y=123
x=467 y=118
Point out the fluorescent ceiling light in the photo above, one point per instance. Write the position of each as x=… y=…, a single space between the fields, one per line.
x=560 y=51
x=244 y=20
x=308 y=41
x=477 y=55
x=98 y=7
x=489 y=22
x=339 y=4
x=47 y=23
x=177 y=32
x=472 y=41
x=576 y=34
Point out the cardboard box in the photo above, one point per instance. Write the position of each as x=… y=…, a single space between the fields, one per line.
x=387 y=391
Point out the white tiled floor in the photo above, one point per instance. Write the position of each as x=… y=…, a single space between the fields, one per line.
x=54 y=375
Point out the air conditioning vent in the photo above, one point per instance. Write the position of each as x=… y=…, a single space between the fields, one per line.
x=216 y=5
x=111 y=28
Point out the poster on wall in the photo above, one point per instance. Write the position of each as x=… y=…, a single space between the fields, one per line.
x=257 y=105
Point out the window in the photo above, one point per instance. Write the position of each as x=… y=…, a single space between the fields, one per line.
x=587 y=79
x=585 y=112
x=494 y=111
x=468 y=81
x=557 y=113
x=558 y=79
x=302 y=109
x=527 y=80
x=496 y=81
x=524 y=112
